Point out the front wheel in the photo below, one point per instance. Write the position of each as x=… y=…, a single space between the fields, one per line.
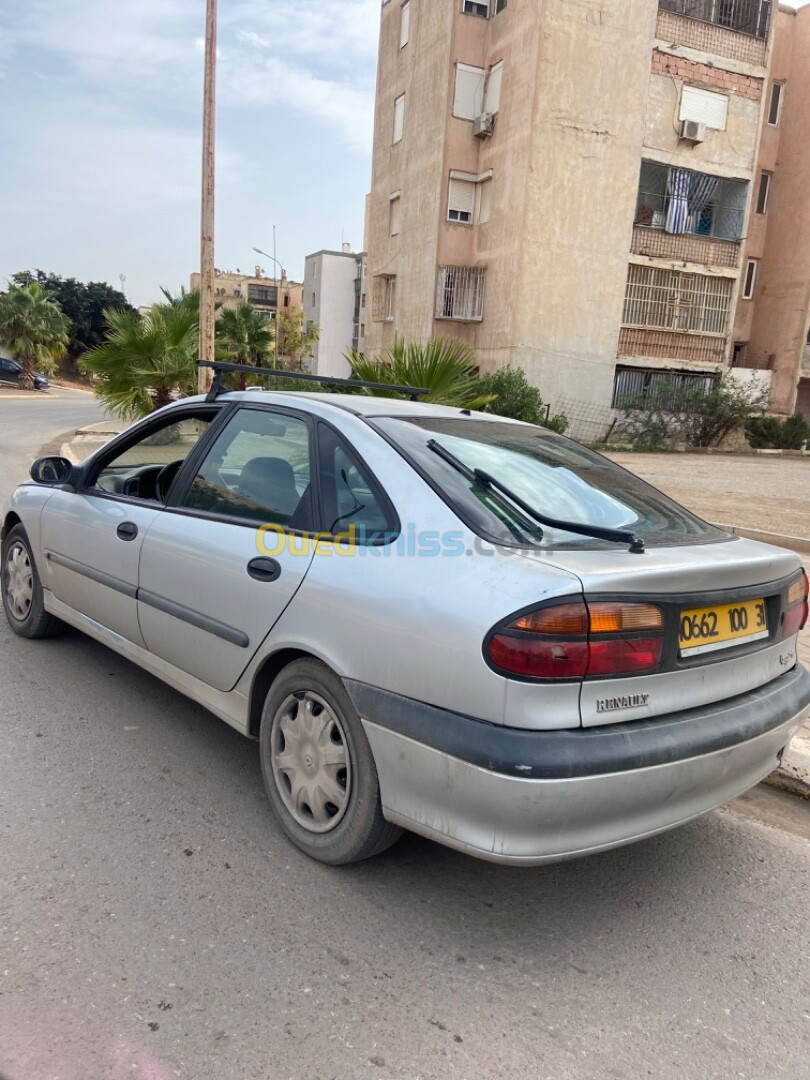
x=318 y=768
x=22 y=589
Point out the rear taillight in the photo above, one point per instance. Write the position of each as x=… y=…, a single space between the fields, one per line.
x=796 y=607
x=577 y=640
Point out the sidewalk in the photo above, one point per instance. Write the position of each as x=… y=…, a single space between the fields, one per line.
x=764 y=499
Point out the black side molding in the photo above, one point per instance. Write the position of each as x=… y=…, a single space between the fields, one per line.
x=565 y=755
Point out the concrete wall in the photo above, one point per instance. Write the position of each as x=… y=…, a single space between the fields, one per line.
x=781 y=306
x=589 y=125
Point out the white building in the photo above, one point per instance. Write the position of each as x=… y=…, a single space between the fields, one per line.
x=334 y=299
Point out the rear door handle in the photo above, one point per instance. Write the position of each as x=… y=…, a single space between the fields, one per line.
x=264 y=569
x=127 y=530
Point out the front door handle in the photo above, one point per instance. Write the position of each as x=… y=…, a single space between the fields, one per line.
x=127 y=530
x=264 y=569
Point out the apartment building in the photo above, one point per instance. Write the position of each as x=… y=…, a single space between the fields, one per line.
x=267 y=295
x=772 y=327
x=335 y=300
x=567 y=186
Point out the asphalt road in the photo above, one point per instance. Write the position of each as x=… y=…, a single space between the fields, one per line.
x=155 y=924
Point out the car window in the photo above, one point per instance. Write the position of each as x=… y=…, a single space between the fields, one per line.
x=554 y=475
x=9 y=367
x=352 y=500
x=257 y=469
x=147 y=467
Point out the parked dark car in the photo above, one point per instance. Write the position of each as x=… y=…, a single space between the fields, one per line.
x=10 y=372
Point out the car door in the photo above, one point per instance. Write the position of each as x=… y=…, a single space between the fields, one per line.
x=91 y=538
x=219 y=567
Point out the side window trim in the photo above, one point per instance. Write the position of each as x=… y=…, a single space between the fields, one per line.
x=379 y=492
x=186 y=477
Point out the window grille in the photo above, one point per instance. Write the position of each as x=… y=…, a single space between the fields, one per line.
x=672 y=300
x=460 y=293
x=383 y=300
x=745 y=16
x=661 y=388
x=664 y=202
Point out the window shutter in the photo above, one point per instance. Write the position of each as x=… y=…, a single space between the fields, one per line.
x=461 y=202
x=469 y=96
x=404 y=24
x=704 y=107
x=492 y=98
x=393 y=215
x=399 y=118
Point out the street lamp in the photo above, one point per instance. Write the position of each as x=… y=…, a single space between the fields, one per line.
x=272 y=258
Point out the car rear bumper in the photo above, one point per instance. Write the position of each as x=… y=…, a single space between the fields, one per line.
x=518 y=796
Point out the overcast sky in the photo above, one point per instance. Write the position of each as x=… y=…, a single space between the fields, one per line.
x=100 y=127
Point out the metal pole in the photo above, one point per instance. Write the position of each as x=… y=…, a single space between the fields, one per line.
x=207 y=310
x=275 y=336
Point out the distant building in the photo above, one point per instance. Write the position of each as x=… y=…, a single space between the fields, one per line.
x=267 y=295
x=334 y=299
x=772 y=327
x=568 y=186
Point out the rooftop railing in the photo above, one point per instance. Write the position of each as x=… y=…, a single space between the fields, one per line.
x=745 y=16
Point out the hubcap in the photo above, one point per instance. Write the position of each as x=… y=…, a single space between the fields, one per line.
x=19 y=581
x=311 y=763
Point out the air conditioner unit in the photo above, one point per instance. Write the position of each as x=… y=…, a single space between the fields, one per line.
x=484 y=125
x=692 y=131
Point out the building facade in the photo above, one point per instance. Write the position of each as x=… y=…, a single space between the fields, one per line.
x=567 y=187
x=334 y=300
x=267 y=295
x=772 y=327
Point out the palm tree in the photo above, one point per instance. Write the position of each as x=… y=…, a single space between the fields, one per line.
x=145 y=360
x=245 y=337
x=33 y=329
x=445 y=367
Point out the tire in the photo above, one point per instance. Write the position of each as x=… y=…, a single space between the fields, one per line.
x=22 y=589
x=318 y=768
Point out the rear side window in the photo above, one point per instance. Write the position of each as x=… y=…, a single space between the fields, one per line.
x=352 y=500
x=554 y=475
x=258 y=469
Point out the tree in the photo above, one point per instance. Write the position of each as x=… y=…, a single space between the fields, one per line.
x=83 y=304
x=515 y=397
x=33 y=329
x=444 y=367
x=245 y=337
x=296 y=339
x=145 y=360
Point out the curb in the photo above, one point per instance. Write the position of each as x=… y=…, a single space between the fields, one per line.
x=785 y=781
x=799 y=544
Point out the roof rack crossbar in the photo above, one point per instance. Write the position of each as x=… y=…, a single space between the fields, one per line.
x=221 y=368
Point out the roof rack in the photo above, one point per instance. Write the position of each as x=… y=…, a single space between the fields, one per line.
x=221 y=369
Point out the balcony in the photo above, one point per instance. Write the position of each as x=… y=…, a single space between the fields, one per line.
x=689 y=216
x=263 y=295
x=736 y=29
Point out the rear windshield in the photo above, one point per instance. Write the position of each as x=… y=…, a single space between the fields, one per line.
x=554 y=475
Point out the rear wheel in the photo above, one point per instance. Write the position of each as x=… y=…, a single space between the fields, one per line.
x=22 y=589
x=318 y=768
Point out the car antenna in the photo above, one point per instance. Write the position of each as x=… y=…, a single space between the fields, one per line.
x=221 y=369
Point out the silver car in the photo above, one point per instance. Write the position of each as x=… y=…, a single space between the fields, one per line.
x=430 y=619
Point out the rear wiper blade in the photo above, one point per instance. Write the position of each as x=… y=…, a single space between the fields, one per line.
x=616 y=536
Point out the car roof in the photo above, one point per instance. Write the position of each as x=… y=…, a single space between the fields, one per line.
x=359 y=404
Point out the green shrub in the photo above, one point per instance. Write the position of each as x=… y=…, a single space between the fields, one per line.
x=515 y=397
x=773 y=433
x=688 y=412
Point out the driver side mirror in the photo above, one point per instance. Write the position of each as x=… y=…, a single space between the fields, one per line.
x=52 y=471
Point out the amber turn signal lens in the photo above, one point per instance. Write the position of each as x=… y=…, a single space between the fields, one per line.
x=561 y=621
x=624 y=618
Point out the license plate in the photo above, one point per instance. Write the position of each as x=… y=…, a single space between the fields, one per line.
x=707 y=629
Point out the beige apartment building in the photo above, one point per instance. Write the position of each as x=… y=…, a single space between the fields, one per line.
x=267 y=295
x=772 y=327
x=568 y=186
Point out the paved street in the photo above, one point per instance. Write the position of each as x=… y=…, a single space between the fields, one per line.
x=155 y=924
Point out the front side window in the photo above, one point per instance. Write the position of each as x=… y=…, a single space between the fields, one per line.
x=554 y=475
x=146 y=468
x=257 y=470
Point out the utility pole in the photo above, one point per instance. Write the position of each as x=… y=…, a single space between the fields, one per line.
x=207 y=310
